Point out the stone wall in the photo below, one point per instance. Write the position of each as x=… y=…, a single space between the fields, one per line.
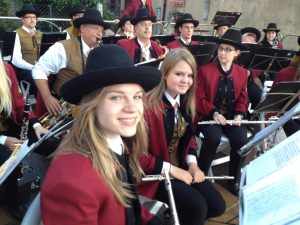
x=257 y=13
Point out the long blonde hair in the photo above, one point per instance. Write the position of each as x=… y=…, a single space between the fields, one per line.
x=88 y=139
x=172 y=58
x=5 y=83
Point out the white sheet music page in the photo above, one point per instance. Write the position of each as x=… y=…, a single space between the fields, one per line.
x=273 y=159
x=275 y=199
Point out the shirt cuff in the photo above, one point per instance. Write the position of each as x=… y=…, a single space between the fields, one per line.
x=36 y=125
x=167 y=167
x=2 y=139
x=191 y=159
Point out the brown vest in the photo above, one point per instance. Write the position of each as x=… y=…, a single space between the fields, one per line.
x=74 y=66
x=29 y=47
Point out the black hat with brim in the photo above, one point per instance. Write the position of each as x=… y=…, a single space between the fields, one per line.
x=216 y=27
x=141 y=15
x=123 y=20
x=91 y=16
x=186 y=18
x=109 y=65
x=232 y=37
x=76 y=9
x=271 y=27
x=252 y=30
x=27 y=8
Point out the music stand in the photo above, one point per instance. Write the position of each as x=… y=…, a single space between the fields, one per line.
x=163 y=39
x=8 y=40
x=268 y=59
x=229 y=18
x=204 y=38
x=49 y=38
x=203 y=53
x=112 y=39
x=282 y=97
x=260 y=136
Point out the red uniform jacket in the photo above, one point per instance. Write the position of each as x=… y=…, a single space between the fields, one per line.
x=285 y=74
x=134 y=5
x=133 y=48
x=178 y=43
x=74 y=193
x=17 y=98
x=208 y=94
x=158 y=147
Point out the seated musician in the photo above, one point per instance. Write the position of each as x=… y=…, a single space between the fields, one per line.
x=251 y=35
x=221 y=95
x=172 y=145
x=66 y=59
x=142 y=48
x=135 y=5
x=221 y=28
x=271 y=38
x=27 y=45
x=185 y=26
x=77 y=11
x=290 y=73
x=125 y=27
x=11 y=125
x=97 y=161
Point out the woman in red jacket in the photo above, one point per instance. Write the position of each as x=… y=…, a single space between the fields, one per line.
x=172 y=146
x=221 y=95
x=91 y=178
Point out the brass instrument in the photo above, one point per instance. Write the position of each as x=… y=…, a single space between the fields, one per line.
x=48 y=120
x=166 y=51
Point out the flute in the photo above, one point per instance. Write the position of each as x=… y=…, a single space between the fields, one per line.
x=161 y=177
x=231 y=122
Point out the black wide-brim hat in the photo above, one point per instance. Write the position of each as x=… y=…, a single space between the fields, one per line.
x=299 y=40
x=186 y=18
x=252 y=30
x=271 y=27
x=123 y=20
x=91 y=16
x=141 y=15
x=27 y=8
x=109 y=65
x=232 y=37
x=76 y=9
x=216 y=27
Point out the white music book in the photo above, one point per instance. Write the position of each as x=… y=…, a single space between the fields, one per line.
x=270 y=186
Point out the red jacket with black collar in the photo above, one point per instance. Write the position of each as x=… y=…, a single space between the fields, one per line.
x=178 y=43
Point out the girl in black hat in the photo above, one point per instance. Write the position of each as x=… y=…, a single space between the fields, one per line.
x=92 y=176
x=172 y=144
x=77 y=11
x=221 y=95
x=125 y=27
x=271 y=38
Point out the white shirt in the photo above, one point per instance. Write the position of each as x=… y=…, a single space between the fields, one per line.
x=145 y=50
x=54 y=60
x=17 y=59
x=185 y=42
x=116 y=145
x=189 y=158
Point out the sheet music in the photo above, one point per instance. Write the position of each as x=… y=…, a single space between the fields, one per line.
x=275 y=199
x=11 y=163
x=273 y=159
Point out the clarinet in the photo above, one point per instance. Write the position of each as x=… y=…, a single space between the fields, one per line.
x=25 y=121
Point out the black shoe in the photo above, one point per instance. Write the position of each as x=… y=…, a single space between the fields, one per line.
x=234 y=188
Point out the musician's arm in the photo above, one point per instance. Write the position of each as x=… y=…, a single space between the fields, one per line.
x=17 y=59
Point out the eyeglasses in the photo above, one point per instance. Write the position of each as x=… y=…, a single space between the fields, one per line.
x=30 y=17
x=226 y=50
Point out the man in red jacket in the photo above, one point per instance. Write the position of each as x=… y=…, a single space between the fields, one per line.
x=141 y=48
x=135 y=5
x=185 y=26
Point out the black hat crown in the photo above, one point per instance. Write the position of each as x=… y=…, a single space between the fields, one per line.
x=141 y=15
x=76 y=9
x=232 y=37
x=216 y=27
x=109 y=65
x=186 y=18
x=123 y=20
x=91 y=16
x=27 y=8
x=271 y=27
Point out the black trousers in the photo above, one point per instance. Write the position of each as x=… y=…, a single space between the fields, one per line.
x=254 y=93
x=194 y=203
x=26 y=75
x=212 y=136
